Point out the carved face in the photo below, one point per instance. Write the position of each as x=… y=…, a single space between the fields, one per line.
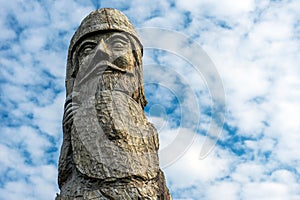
x=110 y=57
x=108 y=52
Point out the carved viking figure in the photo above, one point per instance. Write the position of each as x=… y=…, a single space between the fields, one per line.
x=109 y=148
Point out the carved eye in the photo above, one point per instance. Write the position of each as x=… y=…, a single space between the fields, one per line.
x=87 y=49
x=119 y=44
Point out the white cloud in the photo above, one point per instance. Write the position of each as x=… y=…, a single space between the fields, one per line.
x=7 y=33
x=39 y=184
x=10 y=157
x=143 y=12
x=189 y=169
x=48 y=118
x=226 y=8
x=224 y=190
x=265 y=190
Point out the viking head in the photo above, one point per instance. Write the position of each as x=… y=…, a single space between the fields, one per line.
x=107 y=43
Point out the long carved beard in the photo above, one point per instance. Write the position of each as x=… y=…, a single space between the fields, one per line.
x=107 y=104
x=118 y=81
x=121 y=116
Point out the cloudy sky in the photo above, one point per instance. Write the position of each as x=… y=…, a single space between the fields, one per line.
x=237 y=73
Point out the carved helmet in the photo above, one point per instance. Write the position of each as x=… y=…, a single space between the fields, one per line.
x=104 y=19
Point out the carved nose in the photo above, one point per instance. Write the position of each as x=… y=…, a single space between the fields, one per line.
x=102 y=52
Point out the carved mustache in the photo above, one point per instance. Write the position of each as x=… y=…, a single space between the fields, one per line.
x=100 y=68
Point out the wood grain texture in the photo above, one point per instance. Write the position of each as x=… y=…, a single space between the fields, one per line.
x=109 y=150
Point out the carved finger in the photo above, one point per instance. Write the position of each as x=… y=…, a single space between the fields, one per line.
x=70 y=111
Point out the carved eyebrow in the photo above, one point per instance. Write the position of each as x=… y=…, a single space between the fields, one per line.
x=117 y=36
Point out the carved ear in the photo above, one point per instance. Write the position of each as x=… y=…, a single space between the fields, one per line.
x=70 y=73
x=138 y=53
x=74 y=65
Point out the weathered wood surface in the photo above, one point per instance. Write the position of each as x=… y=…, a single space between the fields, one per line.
x=109 y=150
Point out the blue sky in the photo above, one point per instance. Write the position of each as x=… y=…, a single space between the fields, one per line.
x=253 y=46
